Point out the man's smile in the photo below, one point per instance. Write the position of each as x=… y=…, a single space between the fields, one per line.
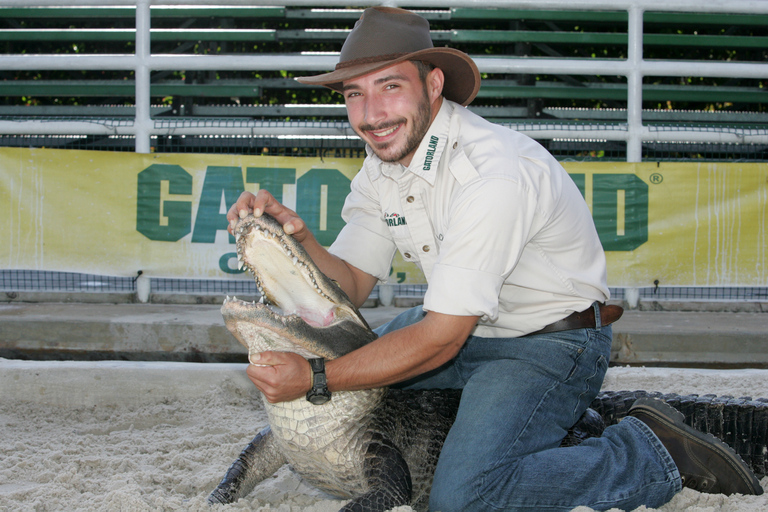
x=386 y=131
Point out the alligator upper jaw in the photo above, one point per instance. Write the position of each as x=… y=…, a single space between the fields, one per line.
x=286 y=275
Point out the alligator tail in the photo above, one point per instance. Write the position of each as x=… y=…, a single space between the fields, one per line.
x=742 y=423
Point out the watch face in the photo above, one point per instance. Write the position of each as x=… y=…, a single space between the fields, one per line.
x=319 y=399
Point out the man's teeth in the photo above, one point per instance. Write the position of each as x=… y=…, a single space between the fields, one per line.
x=385 y=132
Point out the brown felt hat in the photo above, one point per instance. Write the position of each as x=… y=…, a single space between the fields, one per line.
x=404 y=36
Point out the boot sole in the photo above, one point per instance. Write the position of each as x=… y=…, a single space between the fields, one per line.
x=674 y=420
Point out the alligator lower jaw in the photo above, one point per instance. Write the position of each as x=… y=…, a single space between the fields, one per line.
x=354 y=406
x=272 y=317
x=261 y=327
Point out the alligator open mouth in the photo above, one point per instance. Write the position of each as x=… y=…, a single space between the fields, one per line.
x=300 y=308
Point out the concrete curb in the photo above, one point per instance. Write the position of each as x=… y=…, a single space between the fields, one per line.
x=196 y=333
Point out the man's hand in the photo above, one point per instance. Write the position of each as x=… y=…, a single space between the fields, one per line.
x=264 y=202
x=280 y=376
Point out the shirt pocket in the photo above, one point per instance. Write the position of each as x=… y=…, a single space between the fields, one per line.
x=397 y=222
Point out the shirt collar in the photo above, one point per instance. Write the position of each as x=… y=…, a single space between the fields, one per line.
x=427 y=156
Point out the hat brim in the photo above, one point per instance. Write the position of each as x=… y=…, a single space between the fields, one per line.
x=462 y=78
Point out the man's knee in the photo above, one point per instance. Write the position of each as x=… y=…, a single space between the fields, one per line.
x=452 y=493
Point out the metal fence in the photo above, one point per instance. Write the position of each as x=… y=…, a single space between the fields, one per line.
x=13 y=283
x=632 y=131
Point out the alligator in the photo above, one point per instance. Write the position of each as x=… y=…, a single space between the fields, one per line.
x=379 y=447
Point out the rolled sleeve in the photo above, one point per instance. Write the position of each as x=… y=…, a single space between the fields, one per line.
x=463 y=292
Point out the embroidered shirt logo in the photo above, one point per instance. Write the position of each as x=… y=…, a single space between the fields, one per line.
x=394 y=219
x=431 y=148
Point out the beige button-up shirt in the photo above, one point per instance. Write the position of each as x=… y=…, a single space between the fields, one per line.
x=491 y=218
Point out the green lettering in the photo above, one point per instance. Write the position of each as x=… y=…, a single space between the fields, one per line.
x=309 y=202
x=271 y=178
x=150 y=209
x=218 y=180
x=580 y=181
x=225 y=261
x=605 y=210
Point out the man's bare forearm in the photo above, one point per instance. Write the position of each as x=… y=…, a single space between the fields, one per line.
x=401 y=354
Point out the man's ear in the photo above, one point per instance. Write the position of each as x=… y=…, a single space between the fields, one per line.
x=435 y=81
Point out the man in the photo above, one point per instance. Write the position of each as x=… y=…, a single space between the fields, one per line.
x=513 y=312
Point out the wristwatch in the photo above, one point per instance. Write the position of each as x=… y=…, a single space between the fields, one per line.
x=319 y=393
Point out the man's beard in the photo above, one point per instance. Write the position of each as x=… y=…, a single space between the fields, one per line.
x=421 y=122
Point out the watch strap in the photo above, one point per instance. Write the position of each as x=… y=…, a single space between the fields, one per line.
x=318 y=394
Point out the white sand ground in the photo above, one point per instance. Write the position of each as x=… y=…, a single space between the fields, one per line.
x=137 y=448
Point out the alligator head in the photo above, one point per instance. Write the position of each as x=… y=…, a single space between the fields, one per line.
x=301 y=310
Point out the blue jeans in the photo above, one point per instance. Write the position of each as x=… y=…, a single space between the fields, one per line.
x=520 y=396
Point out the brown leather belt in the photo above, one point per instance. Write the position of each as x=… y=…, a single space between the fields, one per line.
x=584 y=319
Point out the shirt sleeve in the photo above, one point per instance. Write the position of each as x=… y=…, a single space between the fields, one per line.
x=491 y=221
x=364 y=242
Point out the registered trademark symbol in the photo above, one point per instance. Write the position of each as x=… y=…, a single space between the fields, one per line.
x=656 y=178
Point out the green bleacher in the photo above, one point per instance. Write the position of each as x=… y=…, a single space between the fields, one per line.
x=499 y=33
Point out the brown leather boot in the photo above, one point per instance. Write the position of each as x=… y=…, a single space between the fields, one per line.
x=706 y=464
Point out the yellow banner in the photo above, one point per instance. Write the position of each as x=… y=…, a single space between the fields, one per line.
x=689 y=224
x=681 y=224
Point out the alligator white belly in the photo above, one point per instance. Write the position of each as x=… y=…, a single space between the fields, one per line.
x=326 y=443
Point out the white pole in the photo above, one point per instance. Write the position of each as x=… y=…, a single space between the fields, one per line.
x=635 y=85
x=143 y=122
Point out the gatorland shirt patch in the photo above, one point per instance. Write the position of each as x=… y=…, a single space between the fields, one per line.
x=394 y=219
x=431 y=148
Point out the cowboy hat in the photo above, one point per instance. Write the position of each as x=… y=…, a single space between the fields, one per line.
x=404 y=36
